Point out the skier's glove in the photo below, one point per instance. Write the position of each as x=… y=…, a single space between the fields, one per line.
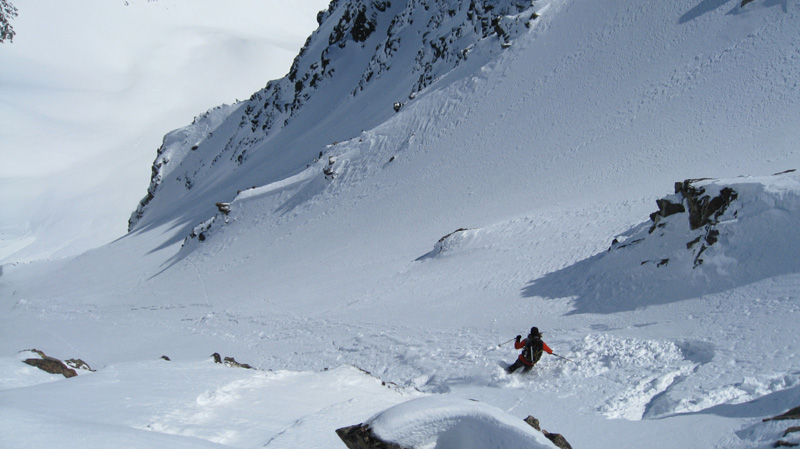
x=519 y=337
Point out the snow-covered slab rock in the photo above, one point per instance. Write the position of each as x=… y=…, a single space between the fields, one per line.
x=445 y=422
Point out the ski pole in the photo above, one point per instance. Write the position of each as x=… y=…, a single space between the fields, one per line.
x=562 y=357
x=506 y=342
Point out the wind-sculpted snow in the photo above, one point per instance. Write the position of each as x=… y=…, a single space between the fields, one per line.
x=752 y=238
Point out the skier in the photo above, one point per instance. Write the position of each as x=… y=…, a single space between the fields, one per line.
x=532 y=348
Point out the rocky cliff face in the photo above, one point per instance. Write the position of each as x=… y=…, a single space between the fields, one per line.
x=364 y=62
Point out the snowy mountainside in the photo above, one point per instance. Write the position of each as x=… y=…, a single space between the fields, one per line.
x=366 y=58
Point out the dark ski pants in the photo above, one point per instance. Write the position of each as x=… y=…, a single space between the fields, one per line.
x=517 y=365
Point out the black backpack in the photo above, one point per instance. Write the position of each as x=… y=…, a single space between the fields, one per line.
x=533 y=350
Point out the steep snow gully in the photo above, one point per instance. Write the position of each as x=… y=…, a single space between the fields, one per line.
x=309 y=231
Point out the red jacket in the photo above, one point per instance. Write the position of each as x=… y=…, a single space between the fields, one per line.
x=521 y=344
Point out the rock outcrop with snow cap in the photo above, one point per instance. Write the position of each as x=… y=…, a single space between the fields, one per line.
x=711 y=235
x=446 y=423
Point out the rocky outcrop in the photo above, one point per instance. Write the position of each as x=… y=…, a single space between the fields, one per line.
x=53 y=365
x=703 y=207
x=711 y=208
x=556 y=438
x=793 y=414
x=360 y=436
x=229 y=361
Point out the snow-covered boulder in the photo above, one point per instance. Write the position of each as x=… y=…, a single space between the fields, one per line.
x=445 y=423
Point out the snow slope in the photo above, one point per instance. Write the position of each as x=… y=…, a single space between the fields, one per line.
x=193 y=404
x=545 y=151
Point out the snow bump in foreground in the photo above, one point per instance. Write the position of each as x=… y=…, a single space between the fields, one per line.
x=449 y=423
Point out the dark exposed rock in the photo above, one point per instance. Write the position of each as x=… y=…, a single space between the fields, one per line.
x=791 y=414
x=452 y=233
x=693 y=242
x=533 y=422
x=360 y=436
x=667 y=208
x=50 y=364
x=744 y=2
x=703 y=209
x=199 y=232
x=556 y=438
x=78 y=364
x=791 y=430
x=442 y=244
x=328 y=170
x=362 y=27
x=224 y=208
x=229 y=361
